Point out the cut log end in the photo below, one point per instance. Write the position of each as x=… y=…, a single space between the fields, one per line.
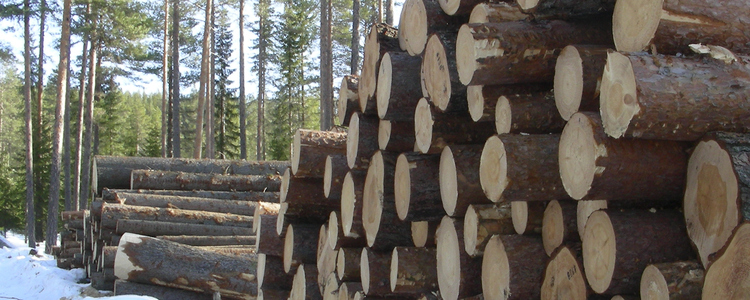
x=493 y=168
x=285 y=180
x=368 y=80
x=728 y=276
x=618 y=103
x=475 y=100
x=289 y=248
x=563 y=277
x=393 y=277
x=436 y=73
x=448 y=258
x=420 y=232
x=553 y=227
x=503 y=115
x=448 y=181
x=414 y=16
x=653 y=284
x=402 y=186
x=296 y=149
x=568 y=82
x=465 y=62
x=328 y=176
x=710 y=201
x=123 y=264
x=599 y=251
x=347 y=93
x=261 y=269
x=577 y=156
x=634 y=24
x=383 y=91
x=489 y=12
x=352 y=141
x=471 y=228
x=348 y=201
x=333 y=230
x=495 y=270
x=364 y=271
x=520 y=216
x=450 y=7
x=584 y=209
x=372 y=206
x=527 y=4
x=423 y=125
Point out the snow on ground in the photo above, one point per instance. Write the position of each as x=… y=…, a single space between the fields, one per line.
x=36 y=277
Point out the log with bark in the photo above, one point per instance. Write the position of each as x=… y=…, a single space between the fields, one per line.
x=435 y=130
x=559 y=224
x=383 y=229
x=637 y=90
x=149 y=260
x=423 y=233
x=305 y=195
x=513 y=267
x=396 y=136
x=727 y=276
x=347 y=264
x=310 y=149
x=413 y=270
x=459 y=275
x=330 y=290
x=362 y=140
x=520 y=51
x=578 y=77
x=528 y=216
x=351 y=204
x=112 y=194
x=528 y=113
x=670 y=26
x=459 y=178
x=113 y=213
x=382 y=38
x=103 y=280
x=305 y=285
x=336 y=237
x=124 y=287
x=672 y=280
x=203 y=240
x=264 y=210
x=271 y=273
x=482 y=221
x=717 y=196
x=167 y=180
x=584 y=209
x=375 y=272
x=458 y=7
x=333 y=176
x=618 y=245
x=273 y=294
x=565 y=9
x=595 y=166
x=300 y=245
x=114 y=171
x=236 y=207
x=521 y=168
x=325 y=261
x=422 y=18
x=347 y=290
x=489 y=12
x=399 y=87
x=563 y=276
x=440 y=76
x=267 y=240
x=482 y=99
x=348 y=98
x=417 y=187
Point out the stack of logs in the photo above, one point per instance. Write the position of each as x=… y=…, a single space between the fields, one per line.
x=506 y=151
x=171 y=219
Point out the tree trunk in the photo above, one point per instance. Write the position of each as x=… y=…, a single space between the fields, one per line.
x=423 y=233
x=300 y=245
x=348 y=99
x=383 y=228
x=724 y=274
x=458 y=273
x=165 y=80
x=351 y=204
x=618 y=245
x=413 y=270
x=717 y=196
x=243 y=99
x=672 y=280
x=459 y=178
x=310 y=148
x=203 y=87
x=165 y=180
x=236 y=207
x=564 y=9
x=185 y=267
x=398 y=87
x=594 y=166
x=354 y=60
x=79 y=131
x=381 y=39
x=396 y=136
x=271 y=274
x=29 y=211
x=124 y=287
x=86 y=169
x=632 y=104
x=563 y=275
x=417 y=187
x=528 y=113
x=422 y=18
x=439 y=75
x=176 y=78
x=333 y=176
x=482 y=221
x=305 y=286
x=513 y=267
x=348 y=264
x=361 y=140
x=559 y=225
x=113 y=213
x=210 y=240
x=326 y=66
x=482 y=99
x=223 y=195
x=578 y=77
x=435 y=130
x=502 y=53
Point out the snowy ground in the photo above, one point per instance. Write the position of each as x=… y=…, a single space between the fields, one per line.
x=31 y=277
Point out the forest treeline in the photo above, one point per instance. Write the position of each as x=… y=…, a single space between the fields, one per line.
x=54 y=120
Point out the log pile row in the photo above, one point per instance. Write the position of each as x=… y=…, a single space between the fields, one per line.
x=184 y=226
x=508 y=151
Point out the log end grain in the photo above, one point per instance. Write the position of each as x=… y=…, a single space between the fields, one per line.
x=520 y=216
x=423 y=233
x=465 y=54
x=634 y=24
x=568 y=82
x=654 y=285
x=584 y=209
x=364 y=270
x=289 y=249
x=385 y=79
x=352 y=140
x=471 y=230
x=448 y=181
x=527 y=4
x=368 y=79
x=402 y=186
x=493 y=168
x=414 y=24
x=450 y=7
x=348 y=202
x=729 y=276
x=436 y=73
x=710 y=202
x=577 y=155
x=123 y=265
x=333 y=230
x=348 y=96
x=553 y=227
x=285 y=181
x=372 y=202
x=475 y=100
x=296 y=149
x=495 y=270
x=599 y=251
x=423 y=125
x=448 y=259
x=563 y=277
x=503 y=115
x=328 y=176
x=618 y=103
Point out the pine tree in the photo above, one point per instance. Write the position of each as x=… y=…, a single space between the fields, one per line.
x=264 y=31
x=226 y=106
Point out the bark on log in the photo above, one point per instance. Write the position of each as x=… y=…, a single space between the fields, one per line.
x=264 y=210
x=670 y=26
x=184 y=267
x=637 y=89
x=578 y=77
x=266 y=238
x=305 y=286
x=459 y=275
x=440 y=76
x=375 y=272
x=382 y=38
x=104 y=280
x=336 y=237
x=396 y=136
x=595 y=166
x=201 y=240
x=584 y=209
x=435 y=130
x=618 y=245
x=347 y=290
x=672 y=280
x=482 y=99
x=459 y=178
x=300 y=246
x=236 y=207
x=727 y=276
x=563 y=276
x=528 y=113
x=310 y=148
x=383 y=229
x=528 y=216
x=423 y=233
x=113 y=213
x=113 y=172
x=482 y=222
x=273 y=294
x=271 y=275
x=565 y=9
x=237 y=250
x=305 y=194
x=513 y=267
x=333 y=177
x=422 y=18
x=489 y=12
x=351 y=204
x=107 y=258
x=74 y=215
x=399 y=87
x=155 y=228
x=521 y=168
x=413 y=270
x=417 y=187
x=73 y=224
x=347 y=264
x=362 y=140
x=717 y=196
x=348 y=99
x=559 y=225
x=331 y=288
x=520 y=51
x=124 y=287
x=111 y=194
x=166 y=180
